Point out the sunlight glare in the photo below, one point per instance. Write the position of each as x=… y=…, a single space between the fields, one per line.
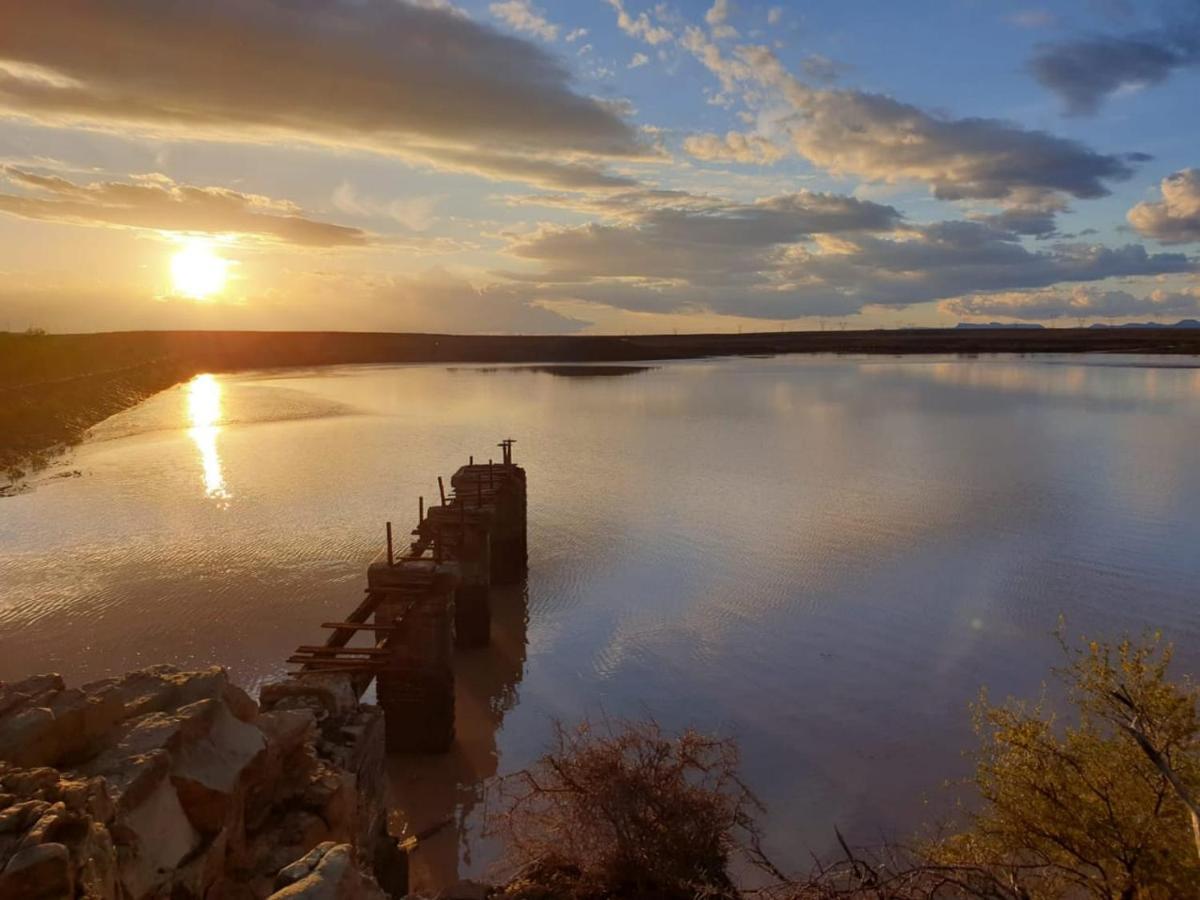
x=204 y=412
x=197 y=271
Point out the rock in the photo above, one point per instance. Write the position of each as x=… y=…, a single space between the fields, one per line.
x=287 y=729
x=20 y=817
x=303 y=867
x=331 y=695
x=39 y=872
x=160 y=837
x=161 y=783
x=208 y=771
x=162 y=688
x=21 y=693
x=28 y=737
x=83 y=722
x=332 y=875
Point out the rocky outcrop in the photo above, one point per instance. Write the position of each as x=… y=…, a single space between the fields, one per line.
x=163 y=783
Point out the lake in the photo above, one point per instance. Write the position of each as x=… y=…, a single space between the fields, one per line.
x=825 y=557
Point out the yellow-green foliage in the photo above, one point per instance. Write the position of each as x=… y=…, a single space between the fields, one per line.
x=1079 y=808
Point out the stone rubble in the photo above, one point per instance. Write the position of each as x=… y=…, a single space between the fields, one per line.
x=161 y=783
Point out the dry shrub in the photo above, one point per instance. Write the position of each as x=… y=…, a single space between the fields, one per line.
x=625 y=810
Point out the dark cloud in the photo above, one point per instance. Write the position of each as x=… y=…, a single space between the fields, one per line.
x=1084 y=73
x=1176 y=217
x=798 y=255
x=159 y=203
x=696 y=238
x=384 y=75
x=1082 y=302
x=1035 y=222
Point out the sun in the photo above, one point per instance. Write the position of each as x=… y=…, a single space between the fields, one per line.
x=197 y=271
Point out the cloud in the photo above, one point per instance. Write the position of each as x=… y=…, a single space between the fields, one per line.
x=159 y=203
x=822 y=68
x=1084 y=73
x=640 y=26
x=575 y=34
x=717 y=18
x=442 y=302
x=520 y=15
x=381 y=75
x=795 y=255
x=850 y=132
x=1081 y=302
x=774 y=15
x=414 y=213
x=639 y=60
x=436 y=300
x=1176 y=218
x=713 y=240
x=733 y=147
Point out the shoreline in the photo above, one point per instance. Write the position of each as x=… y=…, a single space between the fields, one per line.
x=54 y=387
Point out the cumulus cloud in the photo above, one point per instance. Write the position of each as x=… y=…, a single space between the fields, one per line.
x=1175 y=218
x=873 y=136
x=717 y=18
x=639 y=26
x=521 y=15
x=1081 y=302
x=1084 y=73
x=384 y=75
x=733 y=147
x=159 y=203
x=638 y=60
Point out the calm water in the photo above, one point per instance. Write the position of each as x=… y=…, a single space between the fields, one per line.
x=823 y=557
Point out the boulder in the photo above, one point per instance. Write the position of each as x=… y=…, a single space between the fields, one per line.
x=38 y=872
x=327 y=695
x=207 y=772
x=158 y=836
x=329 y=872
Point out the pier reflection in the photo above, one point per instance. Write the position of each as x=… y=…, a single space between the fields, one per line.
x=436 y=797
x=204 y=412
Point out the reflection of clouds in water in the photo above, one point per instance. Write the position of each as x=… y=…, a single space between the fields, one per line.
x=204 y=412
x=1091 y=381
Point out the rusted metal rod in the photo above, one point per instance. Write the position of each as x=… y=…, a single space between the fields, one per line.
x=391 y=558
x=420 y=510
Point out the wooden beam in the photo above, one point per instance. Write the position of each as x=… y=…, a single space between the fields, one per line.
x=327 y=651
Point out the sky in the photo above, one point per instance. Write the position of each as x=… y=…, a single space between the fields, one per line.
x=597 y=166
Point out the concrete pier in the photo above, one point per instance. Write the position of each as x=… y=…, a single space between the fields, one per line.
x=466 y=535
x=428 y=598
x=501 y=487
x=416 y=679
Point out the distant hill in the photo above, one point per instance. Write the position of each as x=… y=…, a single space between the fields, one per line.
x=1182 y=323
x=1006 y=325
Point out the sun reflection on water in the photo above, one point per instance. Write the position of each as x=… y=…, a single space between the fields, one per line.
x=204 y=412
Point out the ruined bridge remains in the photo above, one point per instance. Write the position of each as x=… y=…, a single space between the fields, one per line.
x=423 y=603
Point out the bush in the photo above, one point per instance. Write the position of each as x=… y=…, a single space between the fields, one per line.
x=626 y=811
x=1098 y=807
